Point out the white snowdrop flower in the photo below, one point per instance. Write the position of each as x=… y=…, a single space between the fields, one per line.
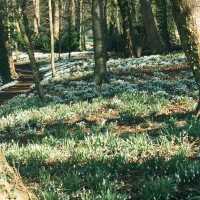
x=177 y=176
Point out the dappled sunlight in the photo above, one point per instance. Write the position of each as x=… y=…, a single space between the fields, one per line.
x=122 y=139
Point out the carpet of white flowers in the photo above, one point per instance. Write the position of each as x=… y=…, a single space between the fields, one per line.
x=133 y=138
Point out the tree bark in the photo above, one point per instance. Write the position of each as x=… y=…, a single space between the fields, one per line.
x=7 y=30
x=81 y=28
x=8 y=67
x=12 y=189
x=56 y=19
x=52 y=39
x=36 y=20
x=100 y=72
x=187 y=18
x=105 y=28
x=4 y=64
x=23 y=28
x=161 y=16
x=127 y=28
x=69 y=20
x=13 y=73
x=150 y=26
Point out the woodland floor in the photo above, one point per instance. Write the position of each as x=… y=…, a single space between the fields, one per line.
x=180 y=110
x=133 y=125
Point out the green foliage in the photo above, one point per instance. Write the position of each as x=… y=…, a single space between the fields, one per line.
x=69 y=42
x=42 y=43
x=18 y=38
x=161 y=188
x=115 y=41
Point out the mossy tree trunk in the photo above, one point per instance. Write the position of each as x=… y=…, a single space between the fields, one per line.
x=187 y=18
x=100 y=72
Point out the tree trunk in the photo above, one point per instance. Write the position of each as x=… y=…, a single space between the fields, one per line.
x=116 y=13
x=127 y=28
x=23 y=28
x=69 y=18
x=52 y=40
x=13 y=73
x=150 y=26
x=36 y=20
x=14 y=188
x=4 y=64
x=161 y=16
x=100 y=73
x=56 y=19
x=81 y=29
x=187 y=18
x=8 y=67
x=105 y=14
x=73 y=11
x=8 y=44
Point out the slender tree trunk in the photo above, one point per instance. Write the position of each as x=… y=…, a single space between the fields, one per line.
x=81 y=36
x=7 y=15
x=52 y=39
x=16 y=25
x=187 y=18
x=150 y=26
x=127 y=28
x=161 y=16
x=105 y=28
x=60 y=31
x=73 y=11
x=23 y=28
x=56 y=19
x=16 y=52
x=117 y=17
x=100 y=72
x=13 y=73
x=69 y=18
x=77 y=14
x=36 y=20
